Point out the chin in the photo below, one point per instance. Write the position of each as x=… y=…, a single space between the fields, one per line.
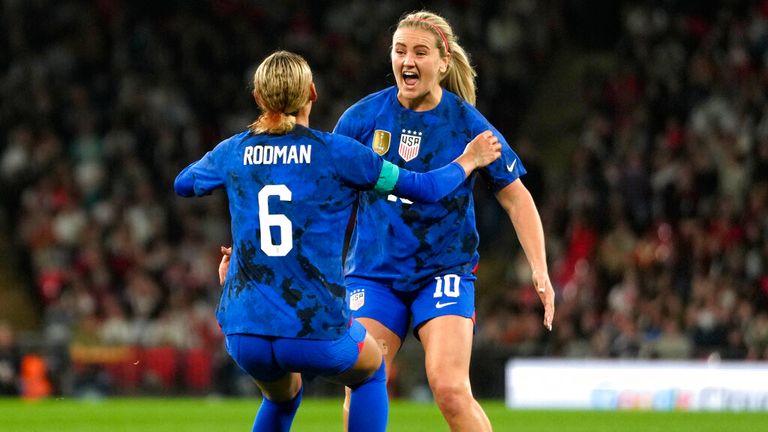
x=411 y=93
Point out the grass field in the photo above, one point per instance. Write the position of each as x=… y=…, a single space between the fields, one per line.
x=323 y=415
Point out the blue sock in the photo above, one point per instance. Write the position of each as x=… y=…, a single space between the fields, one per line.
x=276 y=416
x=369 y=404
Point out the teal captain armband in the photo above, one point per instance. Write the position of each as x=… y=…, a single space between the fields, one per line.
x=387 y=177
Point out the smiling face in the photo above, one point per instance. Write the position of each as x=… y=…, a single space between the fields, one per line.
x=418 y=68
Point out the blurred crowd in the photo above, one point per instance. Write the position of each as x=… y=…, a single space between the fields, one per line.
x=104 y=102
x=657 y=234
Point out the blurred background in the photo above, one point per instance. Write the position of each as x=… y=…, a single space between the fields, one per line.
x=643 y=126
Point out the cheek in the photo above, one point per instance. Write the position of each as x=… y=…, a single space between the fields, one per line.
x=431 y=72
x=396 y=65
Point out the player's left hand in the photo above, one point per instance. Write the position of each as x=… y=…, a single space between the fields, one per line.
x=546 y=294
x=226 y=253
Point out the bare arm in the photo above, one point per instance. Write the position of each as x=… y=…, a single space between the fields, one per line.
x=518 y=203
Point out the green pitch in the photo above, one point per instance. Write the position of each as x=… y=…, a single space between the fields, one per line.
x=324 y=415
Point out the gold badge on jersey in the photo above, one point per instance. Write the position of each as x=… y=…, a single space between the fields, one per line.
x=381 y=140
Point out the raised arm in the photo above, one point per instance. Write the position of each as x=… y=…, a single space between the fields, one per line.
x=436 y=184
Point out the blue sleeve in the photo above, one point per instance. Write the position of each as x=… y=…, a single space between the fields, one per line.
x=504 y=170
x=356 y=165
x=361 y=168
x=199 y=178
x=353 y=123
x=431 y=186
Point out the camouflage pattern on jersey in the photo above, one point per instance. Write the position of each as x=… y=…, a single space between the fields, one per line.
x=404 y=244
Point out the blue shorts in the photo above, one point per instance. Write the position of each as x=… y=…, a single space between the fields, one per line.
x=268 y=358
x=445 y=295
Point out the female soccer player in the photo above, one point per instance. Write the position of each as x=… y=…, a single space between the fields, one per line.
x=291 y=190
x=413 y=263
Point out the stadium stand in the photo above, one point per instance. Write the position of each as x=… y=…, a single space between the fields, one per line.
x=653 y=192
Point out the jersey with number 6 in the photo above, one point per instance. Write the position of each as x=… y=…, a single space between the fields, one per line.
x=404 y=244
x=290 y=199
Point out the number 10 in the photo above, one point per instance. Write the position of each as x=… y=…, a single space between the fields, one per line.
x=451 y=283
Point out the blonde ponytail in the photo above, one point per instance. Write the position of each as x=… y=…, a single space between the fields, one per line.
x=460 y=75
x=281 y=87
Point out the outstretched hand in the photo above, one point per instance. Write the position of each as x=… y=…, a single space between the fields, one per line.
x=226 y=253
x=546 y=294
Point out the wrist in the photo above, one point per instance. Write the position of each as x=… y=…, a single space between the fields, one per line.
x=466 y=163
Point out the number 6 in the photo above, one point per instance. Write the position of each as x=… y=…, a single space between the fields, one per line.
x=267 y=220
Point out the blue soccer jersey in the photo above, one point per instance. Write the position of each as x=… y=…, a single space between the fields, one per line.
x=402 y=243
x=290 y=200
x=285 y=276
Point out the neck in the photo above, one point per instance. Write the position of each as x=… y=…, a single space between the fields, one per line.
x=302 y=118
x=425 y=102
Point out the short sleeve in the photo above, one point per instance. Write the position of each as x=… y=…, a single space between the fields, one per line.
x=201 y=177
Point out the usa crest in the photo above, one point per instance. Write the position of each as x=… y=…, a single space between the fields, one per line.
x=356 y=299
x=410 y=141
x=381 y=139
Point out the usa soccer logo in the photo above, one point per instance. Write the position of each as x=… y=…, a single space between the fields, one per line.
x=356 y=299
x=409 y=144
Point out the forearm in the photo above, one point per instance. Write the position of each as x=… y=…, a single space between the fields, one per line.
x=518 y=203
x=467 y=163
x=424 y=187
x=530 y=232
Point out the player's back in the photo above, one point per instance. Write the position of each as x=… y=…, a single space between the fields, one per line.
x=290 y=199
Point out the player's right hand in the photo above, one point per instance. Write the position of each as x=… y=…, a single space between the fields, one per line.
x=483 y=149
x=226 y=253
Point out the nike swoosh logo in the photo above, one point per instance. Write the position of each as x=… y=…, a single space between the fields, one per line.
x=442 y=305
x=511 y=167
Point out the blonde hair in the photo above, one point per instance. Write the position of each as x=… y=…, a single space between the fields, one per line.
x=460 y=75
x=281 y=87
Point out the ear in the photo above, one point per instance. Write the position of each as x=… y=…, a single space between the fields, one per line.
x=446 y=62
x=312 y=93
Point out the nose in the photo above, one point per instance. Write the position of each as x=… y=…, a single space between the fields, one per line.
x=408 y=60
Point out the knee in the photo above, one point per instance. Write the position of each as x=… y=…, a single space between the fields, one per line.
x=451 y=397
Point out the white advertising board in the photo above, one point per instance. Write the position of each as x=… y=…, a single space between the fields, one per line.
x=651 y=385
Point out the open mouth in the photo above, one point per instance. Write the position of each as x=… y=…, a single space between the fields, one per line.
x=410 y=78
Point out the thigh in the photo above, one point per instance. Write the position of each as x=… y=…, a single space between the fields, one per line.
x=371 y=301
x=445 y=295
x=254 y=354
x=447 y=342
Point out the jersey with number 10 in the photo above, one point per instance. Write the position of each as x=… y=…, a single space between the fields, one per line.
x=404 y=244
x=290 y=199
